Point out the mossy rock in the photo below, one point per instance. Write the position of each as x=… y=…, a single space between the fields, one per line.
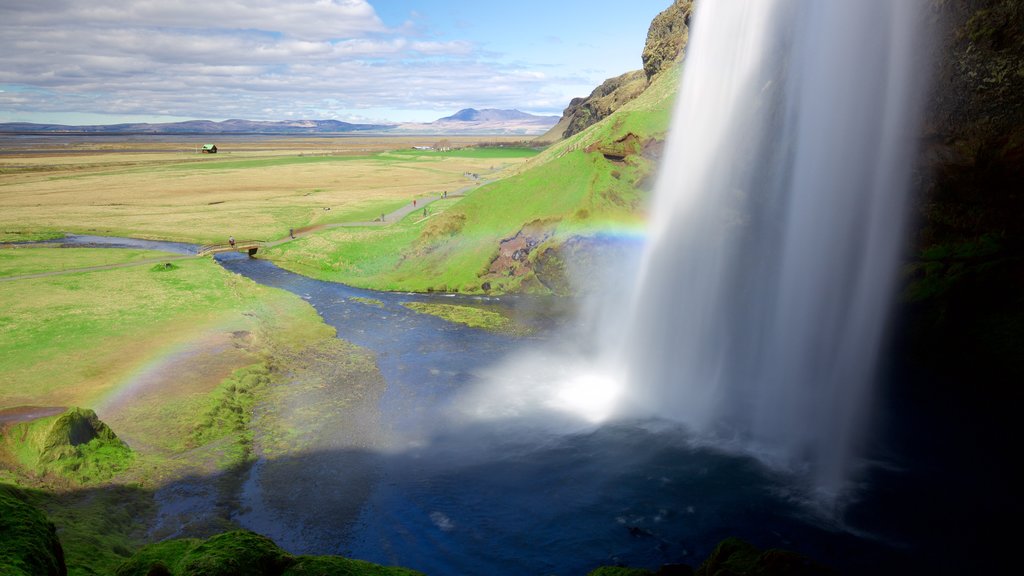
x=735 y=557
x=237 y=553
x=157 y=559
x=75 y=427
x=75 y=444
x=619 y=571
x=242 y=553
x=28 y=540
x=338 y=566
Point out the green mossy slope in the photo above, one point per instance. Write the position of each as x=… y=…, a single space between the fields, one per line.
x=28 y=541
x=241 y=553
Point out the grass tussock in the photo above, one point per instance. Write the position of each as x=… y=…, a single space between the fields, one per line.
x=468 y=316
x=230 y=411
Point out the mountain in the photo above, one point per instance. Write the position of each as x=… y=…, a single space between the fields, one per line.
x=466 y=121
x=233 y=126
x=485 y=121
x=495 y=115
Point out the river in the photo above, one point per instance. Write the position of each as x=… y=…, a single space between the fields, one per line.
x=447 y=490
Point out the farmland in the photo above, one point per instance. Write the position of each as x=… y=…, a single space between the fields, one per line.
x=253 y=188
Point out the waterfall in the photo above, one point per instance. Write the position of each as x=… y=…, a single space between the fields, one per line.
x=776 y=227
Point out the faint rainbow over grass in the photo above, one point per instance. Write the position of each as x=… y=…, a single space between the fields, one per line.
x=159 y=367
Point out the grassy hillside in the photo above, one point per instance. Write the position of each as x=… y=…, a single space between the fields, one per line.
x=571 y=189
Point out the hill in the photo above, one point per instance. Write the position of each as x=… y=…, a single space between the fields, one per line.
x=202 y=127
x=537 y=229
x=485 y=121
x=521 y=233
x=466 y=121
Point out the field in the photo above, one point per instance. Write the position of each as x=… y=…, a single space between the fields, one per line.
x=253 y=188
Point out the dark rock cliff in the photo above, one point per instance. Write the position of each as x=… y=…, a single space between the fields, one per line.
x=966 y=275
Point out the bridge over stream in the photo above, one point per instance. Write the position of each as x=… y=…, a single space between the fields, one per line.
x=250 y=246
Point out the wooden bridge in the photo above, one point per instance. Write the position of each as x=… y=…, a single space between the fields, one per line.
x=250 y=246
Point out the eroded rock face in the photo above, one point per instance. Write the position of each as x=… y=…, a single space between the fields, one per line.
x=513 y=257
x=605 y=99
x=665 y=46
x=667 y=37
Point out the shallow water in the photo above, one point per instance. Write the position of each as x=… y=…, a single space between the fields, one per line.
x=526 y=494
x=526 y=491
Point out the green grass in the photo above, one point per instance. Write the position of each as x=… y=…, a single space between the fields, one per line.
x=18 y=261
x=487 y=152
x=15 y=234
x=564 y=189
x=466 y=315
x=242 y=552
x=229 y=412
x=262 y=162
x=63 y=339
x=359 y=256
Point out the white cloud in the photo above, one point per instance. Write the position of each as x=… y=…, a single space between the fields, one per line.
x=261 y=59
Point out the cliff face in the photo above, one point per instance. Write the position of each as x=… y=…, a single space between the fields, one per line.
x=667 y=37
x=665 y=47
x=966 y=282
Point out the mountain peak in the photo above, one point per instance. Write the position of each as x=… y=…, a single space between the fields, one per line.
x=488 y=115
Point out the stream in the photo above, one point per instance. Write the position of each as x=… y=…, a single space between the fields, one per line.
x=520 y=489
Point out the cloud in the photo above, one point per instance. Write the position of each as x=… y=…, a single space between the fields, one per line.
x=260 y=59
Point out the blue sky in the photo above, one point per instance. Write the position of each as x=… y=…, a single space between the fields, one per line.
x=105 y=61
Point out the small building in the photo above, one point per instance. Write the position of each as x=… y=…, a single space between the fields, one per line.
x=209 y=148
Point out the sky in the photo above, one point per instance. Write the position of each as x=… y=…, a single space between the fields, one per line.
x=110 y=61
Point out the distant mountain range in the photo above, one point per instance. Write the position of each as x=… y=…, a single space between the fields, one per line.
x=467 y=121
x=486 y=121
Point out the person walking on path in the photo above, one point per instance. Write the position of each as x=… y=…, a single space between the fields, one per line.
x=291 y=232
x=231 y=240
x=413 y=203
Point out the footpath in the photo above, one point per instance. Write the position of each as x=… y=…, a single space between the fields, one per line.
x=385 y=220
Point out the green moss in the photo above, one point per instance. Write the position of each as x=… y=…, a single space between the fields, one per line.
x=619 y=571
x=338 y=566
x=28 y=541
x=734 y=557
x=241 y=553
x=229 y=411
x=99 y=529
x=234 y=554
x=467 y=315
x=368 y=301
x=75 y=444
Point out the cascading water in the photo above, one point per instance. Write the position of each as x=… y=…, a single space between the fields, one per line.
x=777 y=224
